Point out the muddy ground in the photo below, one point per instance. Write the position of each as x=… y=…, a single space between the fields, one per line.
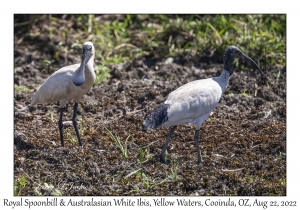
x=243 y=143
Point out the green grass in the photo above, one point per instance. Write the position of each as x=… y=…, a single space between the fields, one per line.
x=19 y=184
x=230 y=94
x=70 y=136
x=140 y=176
x=122 y=38
x=245 y=94
x=81 y=129
x=51 y=114
x=22 y=181
x=174 y=170
x=47 y=63
x=20 y=88
x=122 y=147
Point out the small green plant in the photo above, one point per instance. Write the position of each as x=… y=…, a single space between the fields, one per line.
x=70 y=137
x=174 y=170
x=102 y=73
x=81 y=129
x=282 y=183
x=166 y=156
x=144 y=154
x=57 y=192
x=147 y=154
x=230 y=94
x=245 y=94
x=170 y=78
x=278 y=75
x=146 y=180
x=211 y=118
x=47 y=63
x=133 y=191
x=142 y=176
x=280 y=156
x=20 y=88
x=119 y=144
x=51 y=114
x=19 y=184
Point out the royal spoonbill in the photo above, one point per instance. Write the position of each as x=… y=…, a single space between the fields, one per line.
x=194 y=101
x=69 y=82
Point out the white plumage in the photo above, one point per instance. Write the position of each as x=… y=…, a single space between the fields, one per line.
x=69 y=82
x=194 y=101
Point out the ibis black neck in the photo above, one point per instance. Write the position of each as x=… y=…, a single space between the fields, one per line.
x=228 y=61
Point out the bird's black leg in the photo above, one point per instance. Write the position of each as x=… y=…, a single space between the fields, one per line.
x=196 y=138
x=162 y=155
x=60 y=126
x=75 y=124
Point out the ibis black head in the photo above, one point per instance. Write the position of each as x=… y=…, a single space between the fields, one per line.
x=234 y=52
x=87 y=52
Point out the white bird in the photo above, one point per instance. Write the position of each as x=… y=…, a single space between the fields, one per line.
x=69 y=82
x=194 y=101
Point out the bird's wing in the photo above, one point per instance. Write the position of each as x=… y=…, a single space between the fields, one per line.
x=58 y=86
x=193 y=99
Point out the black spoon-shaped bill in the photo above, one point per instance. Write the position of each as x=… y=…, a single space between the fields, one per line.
x=79 y=77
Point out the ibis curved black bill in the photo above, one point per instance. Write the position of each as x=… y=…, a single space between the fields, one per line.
x=249 y=60
x=79 y=77
x=234 y=52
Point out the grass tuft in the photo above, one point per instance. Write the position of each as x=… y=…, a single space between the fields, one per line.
x=119 y=144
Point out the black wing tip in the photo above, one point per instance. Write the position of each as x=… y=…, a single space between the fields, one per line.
x=157 y=117
x=148 y=124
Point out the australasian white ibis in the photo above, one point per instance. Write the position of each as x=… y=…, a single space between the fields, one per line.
x=69 y=82
x=194 y=101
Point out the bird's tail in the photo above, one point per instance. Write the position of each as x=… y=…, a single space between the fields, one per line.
x=157 y=117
